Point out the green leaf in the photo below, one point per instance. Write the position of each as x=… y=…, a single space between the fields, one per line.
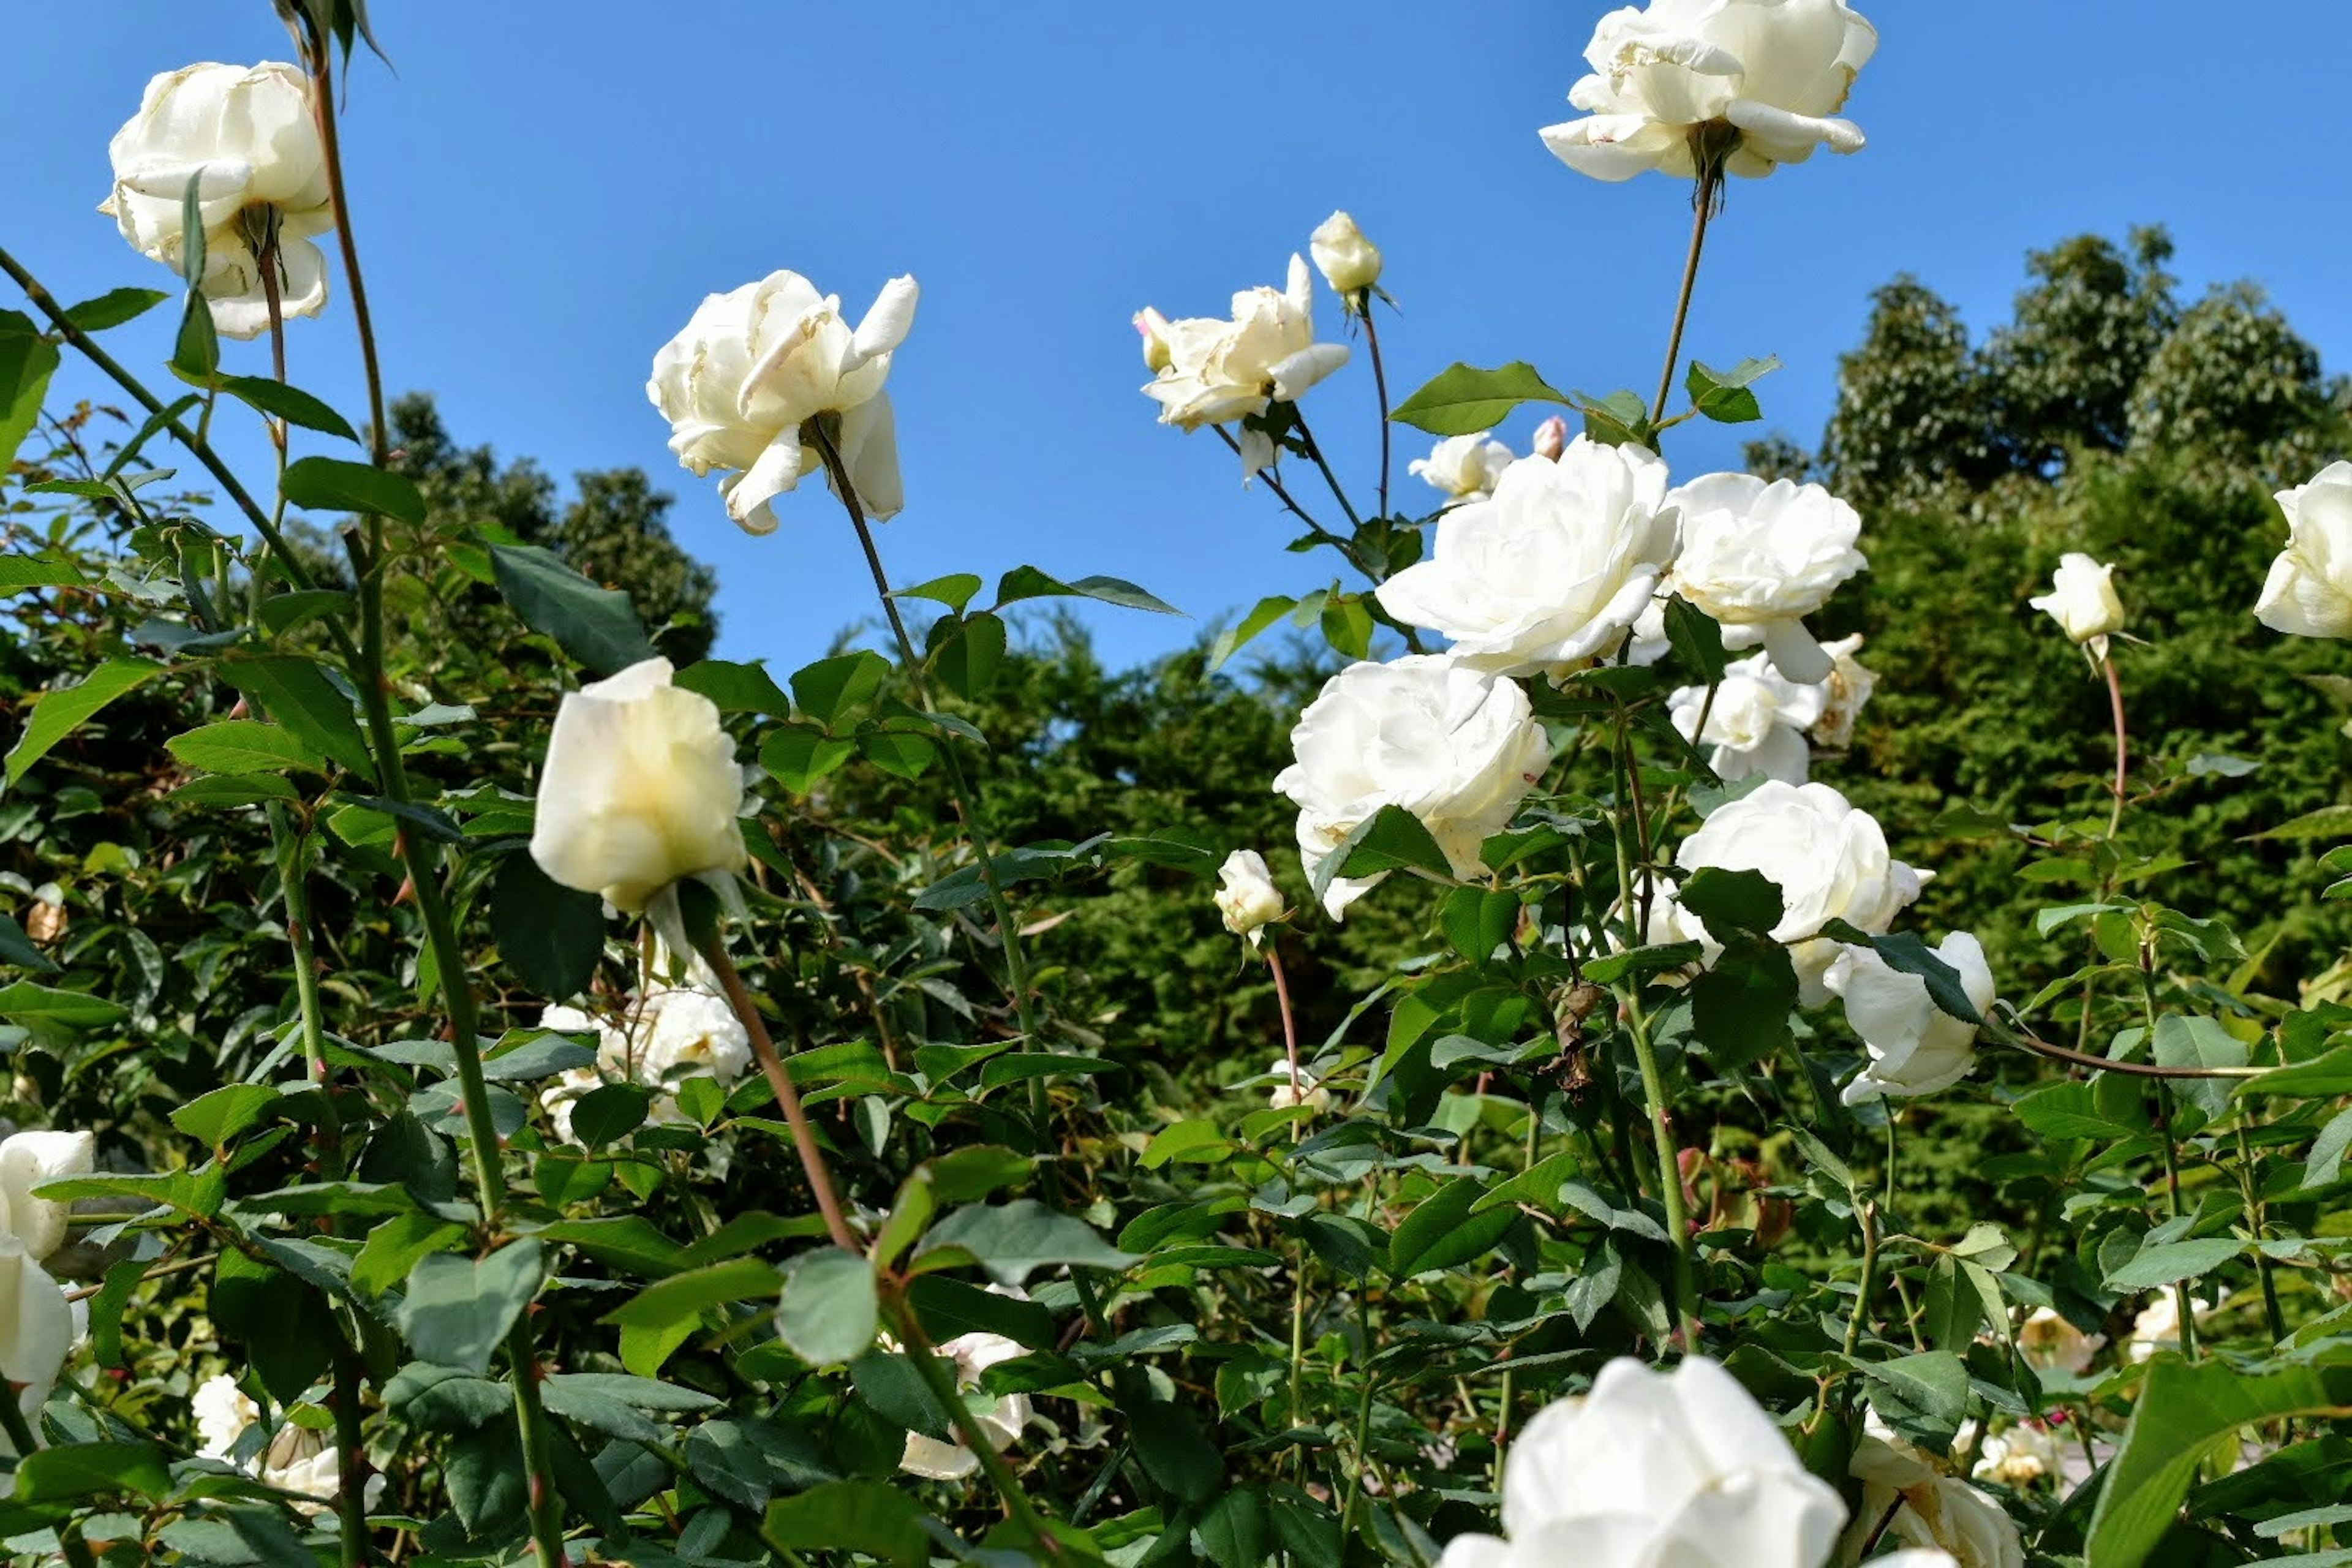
x=735 y=687
x=954 y=591
x=1390 y=839
x=2199 y=1042
x=1463 y=399
x=2168 y=1263
x=286 y=1327
x=609 y=1114
x=1696 y=640
x=281 y=613
x=2326 y=1158
x=1620 y=419
x=17 y=948
x=1264 y=614
x=896 y=752
x=1730 y=902
x=830 y=1310
x=214 y=1118
x=37 y=572
x=1443 y=1232
x=196 y=351
x=967 y=659
x=114 y=308
x=832 y=689
x=1740 y=1005
x=63 y=709
x=23 y=1002
x=682 y=1298
x=1012 y=1239
x=1028 y=582
x=329 y=484
x=797 y=757
x=871 y=1517
x=2324 y=1077
x=295 y=692
x=1924 y=1396
x=552 y=936
x=2327 y=822
x=1907 y=952
x=2183 y=1412
x=73 y=1470
x=292 y=404
x=457 y=1311
x=394 y=1244
x=243 y=746
x=27 y=359
x=2073 y=1111
x=534 y=1059
x=597 y=626
x=1235 y=1531
x=1723 y=395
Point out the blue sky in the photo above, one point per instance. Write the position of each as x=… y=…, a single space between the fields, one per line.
x=543 y=193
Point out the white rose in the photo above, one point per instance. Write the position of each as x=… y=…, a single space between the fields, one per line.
x=1766 y=556
x=1248 y=900
x=639 y=790
x=1844 y=694
x=1765 y=75
x=2158 y=1325
x=1551 y=570
x=37 y=1327
x=2082 y=600
x=1755 y=724
x=1828 y=860
x=1916 y=1047
x=677 y=1034
x=1152 y=328
x=2017 y=1457
x=222 y=1411
x=1218 y=371
x=1931 y=1513
x=1457 y=749
x=2309 y=591
x=248 y=133
x=27 y=1160
x=2050 y=1343
x=1309 y=1091
x=1464 y=466
x=973 y=1354
x=1680 y=1467
x=1349 y=263
x=752 y=367
x=297 y=1460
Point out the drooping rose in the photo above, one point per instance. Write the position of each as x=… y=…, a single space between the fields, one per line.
x=741 y=383
x=1464 y=466
x=1457 y=749
x=639 y=791
x=972 y=1354
x=1766 y=556
x=1925 y=1509
x=1828 y=860
x=246 y=134
x=1755 y=724
x=1650 y=1468
x=1756 y=82
x=1551 y=569
x=1220 y=371
x=2309 y=591
x=1247 y=899
x=1916 y=1047
x=296 y=1459
x=1309 y=1091
x=1843 y=695
x=2082 y=600
x=1349 y=263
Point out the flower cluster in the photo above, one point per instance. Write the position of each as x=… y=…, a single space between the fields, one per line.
x=662 y=1038
x=297 y=1458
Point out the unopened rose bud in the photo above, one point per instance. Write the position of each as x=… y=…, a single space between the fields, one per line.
x=1153 y=328
x=1348 y=262
x=1551 y=439
x=1249 y=900
x=2082 y=600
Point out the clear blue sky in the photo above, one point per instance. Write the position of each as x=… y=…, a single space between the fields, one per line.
x=543 y=193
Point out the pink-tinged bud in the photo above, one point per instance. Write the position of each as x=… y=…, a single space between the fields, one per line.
x=1551 y=439
x=1153 y=328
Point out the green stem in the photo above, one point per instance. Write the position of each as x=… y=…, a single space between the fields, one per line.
x=351 y=1459
x=1363 y=1427
x=2257 y=1221
x=20 y=1431
x=924 y=1355
x=2123 y=745
x=1867 y=1214
x=1315 y=455
x=1670 y=1175
x=294 y=884
x=1710 y=182
x=1381 y=390
x=1017 y=962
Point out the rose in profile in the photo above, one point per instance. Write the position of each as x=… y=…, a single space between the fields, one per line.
x=1753 y=83
x=639 y=791
x=754 y=369
x=1916 y=1047
x=248 y=137
x=1349 y=263
x=1551 y=569
x=2082 y=600
x=1464 y=466
x=1216 y=372
x=2309 y=591
x=1765 y=556
x=1756 y=722
x=971 y=1356
x=1247 y=898
x=1457 y=748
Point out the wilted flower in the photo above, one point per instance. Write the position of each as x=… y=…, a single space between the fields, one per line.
x=1650 y=1468
x=658 y=1041
x=1457 y=749
x=1916 y=1047
x=1464 y=466
x=2050 y=1343
x=1309 y=1092
x=1766 y=556
x=639 y=790
x=2018 y=1455
x=1551 y=570
x=2309 y=591
x=2082 y=600
x=1349 y=263
x=2158 y=1326
x=1844 y=694
x=297 y=1460
x=972 y=1354
x=1755 y=724
x=1248 y=900
x=753 y=368
x=1754 y=80
x=1218 y=371
x=1828 y=860
x=246 y=134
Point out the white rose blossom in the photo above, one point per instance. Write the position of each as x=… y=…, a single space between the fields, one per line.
x=1217 y=372
x=639 y=790
x=1248 y=900
x=1651 y=1468
x=1828 y=860
x=1756 y=80
x=2158 y=1325
x=1457 y=748
x=2018 y=1456
x=1766 y=556
x=1551 y=569
x=743 y=381
x=1349 y=263
x=38 y=1324
x=1843 y=695
x=972 y=1354
x=2308 y=592
x=248 y=137
x=2050 y=1343
x=2082 y=600
x=1463 y=467
x=297 y=1460
x=1309 y=1091
x=1756 y=722
x=658 y=1041
x=1916 y=1047
x=1930 y=1511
